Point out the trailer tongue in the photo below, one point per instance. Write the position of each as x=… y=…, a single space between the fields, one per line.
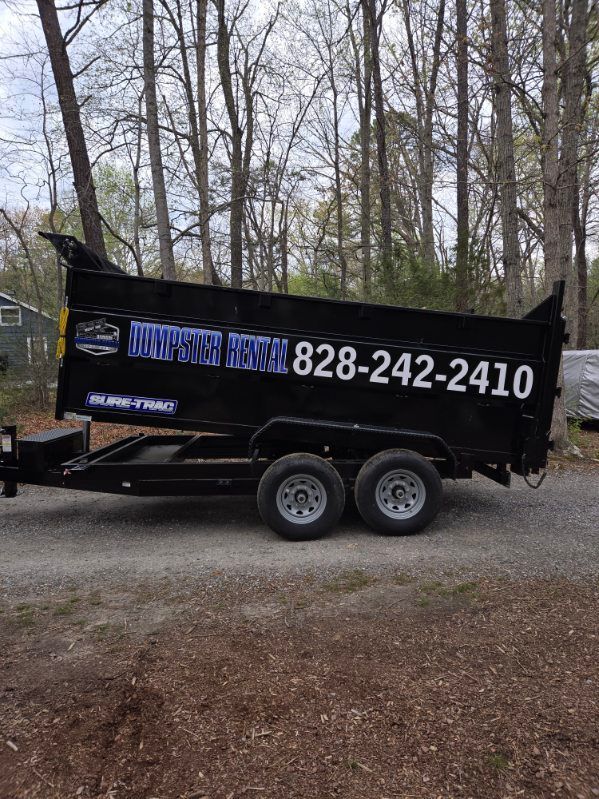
x=309 y=397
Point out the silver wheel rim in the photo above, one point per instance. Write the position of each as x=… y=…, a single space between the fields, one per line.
x=301 y=499
x=400 y=494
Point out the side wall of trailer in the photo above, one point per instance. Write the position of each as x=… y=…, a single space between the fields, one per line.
x=186 y=356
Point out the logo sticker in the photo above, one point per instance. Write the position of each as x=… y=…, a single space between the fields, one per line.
x=97 y=337
x=126 y=402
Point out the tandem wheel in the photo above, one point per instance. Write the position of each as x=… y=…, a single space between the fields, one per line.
x=398 y=492
x=301 y=497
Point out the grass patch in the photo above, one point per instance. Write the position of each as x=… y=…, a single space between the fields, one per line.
x=25 y=615
x=465 y=590
x=498 y=761
x=461 y=589
x=67 y=608
x=574 y=426
x=349 y=581
x=403 y=579
x=101 y=631
x=431 y=587
x=109 y=630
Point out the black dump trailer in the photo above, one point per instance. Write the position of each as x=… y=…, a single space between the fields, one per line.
x=298 y=400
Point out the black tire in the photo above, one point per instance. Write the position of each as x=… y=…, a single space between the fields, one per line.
x=9 y=490
x=398 y=492
x=301 y=497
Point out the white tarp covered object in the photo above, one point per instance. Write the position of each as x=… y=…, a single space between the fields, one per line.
x=581 y=383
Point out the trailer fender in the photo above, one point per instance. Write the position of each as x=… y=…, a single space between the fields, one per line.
x=369 y=438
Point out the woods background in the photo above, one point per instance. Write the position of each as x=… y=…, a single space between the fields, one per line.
x=439 y=154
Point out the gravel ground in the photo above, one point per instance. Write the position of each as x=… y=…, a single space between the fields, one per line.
x=50 y=538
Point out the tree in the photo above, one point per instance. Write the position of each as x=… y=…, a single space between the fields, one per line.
x=424 y=89
x=363 y=79
x=573 y=71
x=162 y=215
x=67 y=98
x=375 y=30
x=210 y=275
x=506 y=170
x=462 y=221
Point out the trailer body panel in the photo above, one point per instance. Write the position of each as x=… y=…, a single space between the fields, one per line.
x=193 y=357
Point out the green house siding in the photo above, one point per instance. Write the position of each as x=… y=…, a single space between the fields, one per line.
x=16 y=339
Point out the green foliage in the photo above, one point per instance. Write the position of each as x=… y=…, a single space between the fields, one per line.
x=593 y=294
x=574 y=427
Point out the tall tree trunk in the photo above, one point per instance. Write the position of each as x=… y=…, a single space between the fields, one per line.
x=162 y=217
x=559 y=427
x=376 y=25
x=428 y=231
x=364 y=88
x=338 y=191
x=424 y=95
x=573 y=72
x=580 y=211
x=71 y=117
x=506 y=170
x=237 y=198
x=137 y=193
x=207 y=262
x=463 y=229
x=284 y=249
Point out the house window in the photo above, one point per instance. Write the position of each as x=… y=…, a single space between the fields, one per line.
x=33 y=348
x=10 y=315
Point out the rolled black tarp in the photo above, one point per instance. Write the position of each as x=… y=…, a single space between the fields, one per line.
x=77 y=255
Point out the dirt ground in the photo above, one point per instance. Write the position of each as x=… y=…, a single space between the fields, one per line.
x=352 y=687
x=176 y=649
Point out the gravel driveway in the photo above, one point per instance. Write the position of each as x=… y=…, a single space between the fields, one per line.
x=49 y=537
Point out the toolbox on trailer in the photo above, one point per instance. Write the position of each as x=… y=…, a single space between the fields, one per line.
x=380 y=399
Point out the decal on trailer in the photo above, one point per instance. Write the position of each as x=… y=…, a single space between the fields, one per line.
x=364 y=364
x=258 y=353
x=397 y=368
x=126 y=402
x=97 y=337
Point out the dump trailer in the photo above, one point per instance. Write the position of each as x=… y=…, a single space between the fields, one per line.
x=298 y=400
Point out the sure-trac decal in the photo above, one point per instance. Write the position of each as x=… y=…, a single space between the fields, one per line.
x=126 y=402
x=97 y=337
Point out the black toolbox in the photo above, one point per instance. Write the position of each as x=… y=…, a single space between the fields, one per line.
x=39 y=451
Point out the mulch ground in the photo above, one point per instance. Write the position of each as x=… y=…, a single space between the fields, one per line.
x=354 y=688
x=32 y=421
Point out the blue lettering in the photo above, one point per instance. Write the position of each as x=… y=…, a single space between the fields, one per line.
x=195 y=343
x=273 y=361
x=146 y=340
x=245 y=340
x=134 y=339
x=160 y=343
x=283 y=357
x=253 y=352
x=215 y=342
x=184 y=353
x=233 y=350
x=264 y=342
x=174 y=337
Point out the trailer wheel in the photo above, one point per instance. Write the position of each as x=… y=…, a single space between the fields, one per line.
x=398 y=492
x=301 y=497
